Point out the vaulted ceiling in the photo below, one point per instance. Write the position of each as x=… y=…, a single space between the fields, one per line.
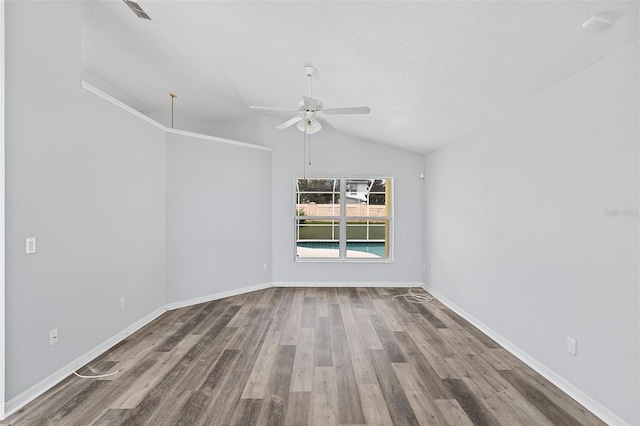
x=431 y=71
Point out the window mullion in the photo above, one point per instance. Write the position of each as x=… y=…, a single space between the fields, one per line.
x=343 y=218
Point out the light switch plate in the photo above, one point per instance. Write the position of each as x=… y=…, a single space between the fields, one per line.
x=571 y=345
x=30 y=245
x=53 y=337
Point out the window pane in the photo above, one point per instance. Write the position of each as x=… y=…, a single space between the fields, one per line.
x=315 y=238
x=318 y=185
x=318 y=197
x=357 y=230
x=377 y=230
x=314 y=205
x=377 y=199
x=314 y=230
x=357 y=190
x=379 y=186
x=367 y=197
x=368 y=239
x=322 y=250
x=366 y=230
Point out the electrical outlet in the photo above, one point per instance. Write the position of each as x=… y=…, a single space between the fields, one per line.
x=122 y=303
x=571 y=345
x=265 y=267
x=53 y=337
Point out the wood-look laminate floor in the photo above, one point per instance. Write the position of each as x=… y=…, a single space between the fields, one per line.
x=297 y=356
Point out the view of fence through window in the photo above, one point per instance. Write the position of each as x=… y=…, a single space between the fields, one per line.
x=343 y=218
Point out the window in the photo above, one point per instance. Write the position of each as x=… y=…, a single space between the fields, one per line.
x=343 y=219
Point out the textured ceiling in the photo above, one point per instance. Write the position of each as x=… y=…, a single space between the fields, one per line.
x=431 y=71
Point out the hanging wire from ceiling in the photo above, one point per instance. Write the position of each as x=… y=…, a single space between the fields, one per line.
x=173 y=96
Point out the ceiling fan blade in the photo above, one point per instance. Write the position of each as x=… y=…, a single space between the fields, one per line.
x=348 y=110
x=266 y=108
x=288 y=123
x=310 y=103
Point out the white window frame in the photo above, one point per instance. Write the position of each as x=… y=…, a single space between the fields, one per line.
x=342 y=220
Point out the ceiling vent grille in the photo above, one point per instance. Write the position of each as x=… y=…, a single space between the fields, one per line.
x=135 y=7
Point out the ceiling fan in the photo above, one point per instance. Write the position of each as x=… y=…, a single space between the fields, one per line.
x=308 y=116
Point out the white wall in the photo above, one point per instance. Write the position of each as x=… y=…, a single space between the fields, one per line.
x=218 y=217
x=335 y=155
x=516 y=232
x=86 y=179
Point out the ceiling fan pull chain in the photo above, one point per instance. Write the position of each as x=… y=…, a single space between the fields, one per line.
x=309 y=148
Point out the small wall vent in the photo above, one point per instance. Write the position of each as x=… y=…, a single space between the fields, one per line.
x=135 y=7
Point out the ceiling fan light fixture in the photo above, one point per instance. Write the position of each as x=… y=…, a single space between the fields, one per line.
x=310 y=127
x=314 y=127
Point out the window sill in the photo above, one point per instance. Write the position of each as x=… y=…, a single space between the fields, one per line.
x=328 y=260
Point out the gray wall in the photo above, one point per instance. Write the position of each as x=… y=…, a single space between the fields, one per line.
x=335 y=155
x=86 y=179
x=218 y=217
x=516 y=232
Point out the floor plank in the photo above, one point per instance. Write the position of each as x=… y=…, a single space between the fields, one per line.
x=322 y=344
x=280 y=385
x=324 y=405
x=302 y=376
x=299 y=408
x=470 y=403
x=394 y=395
x=373 y=405
x=349 y=409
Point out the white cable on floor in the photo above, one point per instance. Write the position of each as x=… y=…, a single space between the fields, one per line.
x=99 y=376
x=412 y=297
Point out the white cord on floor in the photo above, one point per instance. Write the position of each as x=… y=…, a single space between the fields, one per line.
x=99 y=376
x=412 y=297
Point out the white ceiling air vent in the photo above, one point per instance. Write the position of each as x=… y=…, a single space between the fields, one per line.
x=137 y=9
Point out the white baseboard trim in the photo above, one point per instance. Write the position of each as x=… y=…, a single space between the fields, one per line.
x=216 y=296
x=47 y=383
x=346 y=284
x=605 y=414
